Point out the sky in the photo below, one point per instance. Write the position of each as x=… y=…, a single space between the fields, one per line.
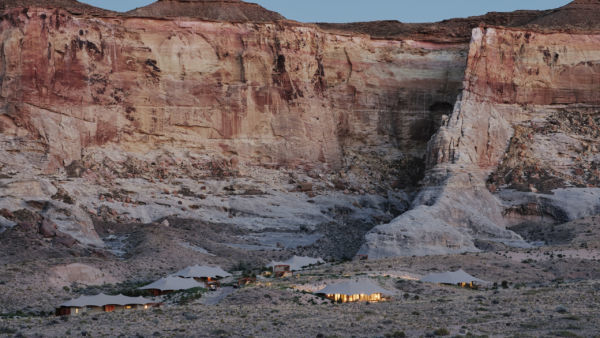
x=370 y=10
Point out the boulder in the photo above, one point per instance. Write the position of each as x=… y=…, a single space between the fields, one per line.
x=47 y=228
x=28 y=189
x=65 y=239
x=65 y=275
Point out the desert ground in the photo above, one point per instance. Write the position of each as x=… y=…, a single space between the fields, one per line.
x=545 y=291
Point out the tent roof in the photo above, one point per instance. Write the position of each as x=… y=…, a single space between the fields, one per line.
x=102 y=299
x=297 y=263
x=455 y=277
x=198 y=271
x=172 y=283
x=358 y=287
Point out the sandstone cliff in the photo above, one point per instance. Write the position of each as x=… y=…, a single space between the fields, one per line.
x=126 y=97
x=522 y=89
x=274 y=94
x=184 y=108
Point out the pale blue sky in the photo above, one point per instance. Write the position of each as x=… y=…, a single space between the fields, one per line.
x=369 y=10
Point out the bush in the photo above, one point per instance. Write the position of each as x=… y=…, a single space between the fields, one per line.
x=245 y=268
x=7 y=330
x=397 y=334
x=564 y=334
x=441 y=332
x=190 y=295
x=219 y=333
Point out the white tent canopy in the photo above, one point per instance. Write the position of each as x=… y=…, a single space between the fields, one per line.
x=297 y=263
x=358 y=287
x=172 y=283
x=102 y=299
x=198 y=271
x=455 y=277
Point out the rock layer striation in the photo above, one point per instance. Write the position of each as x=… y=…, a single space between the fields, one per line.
x=519 y=85
x=186 y=90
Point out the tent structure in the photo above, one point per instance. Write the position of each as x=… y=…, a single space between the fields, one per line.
x=202 y=272
x=354 y=291
x=458 y=277
x=297 y=263
x=171 y=283
x=103 y=303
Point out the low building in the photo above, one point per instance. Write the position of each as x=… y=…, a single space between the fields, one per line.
x=209 y=275
x=459 y=277
x=297 y=263
x=364 y=290
x=282 y=270
x=169 y=284
x=103 y=303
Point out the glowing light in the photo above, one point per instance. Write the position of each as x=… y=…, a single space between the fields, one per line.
x=376 y=297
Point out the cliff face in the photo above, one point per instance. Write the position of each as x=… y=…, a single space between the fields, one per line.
x=261 y=94
x=97 y=106
x=528 y=116
x=124 y=117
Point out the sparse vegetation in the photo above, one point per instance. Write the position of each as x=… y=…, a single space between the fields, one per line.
x=7 y=330
x=441 y=332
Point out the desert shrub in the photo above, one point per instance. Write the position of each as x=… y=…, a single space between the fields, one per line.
x=219 y=333
x=7 y=330
x=564 y=334
x=441 y=332
x=397 y=334
x=246 y=268
x=190 y=295
x=470 y=335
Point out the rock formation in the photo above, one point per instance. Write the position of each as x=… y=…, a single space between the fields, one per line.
x=271 y=94
x=579 y=14
x=100 y=109
x=94 y=98
x=519 y=85
x=213 y=10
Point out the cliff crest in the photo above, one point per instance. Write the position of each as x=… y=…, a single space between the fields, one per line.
x=213 y=10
